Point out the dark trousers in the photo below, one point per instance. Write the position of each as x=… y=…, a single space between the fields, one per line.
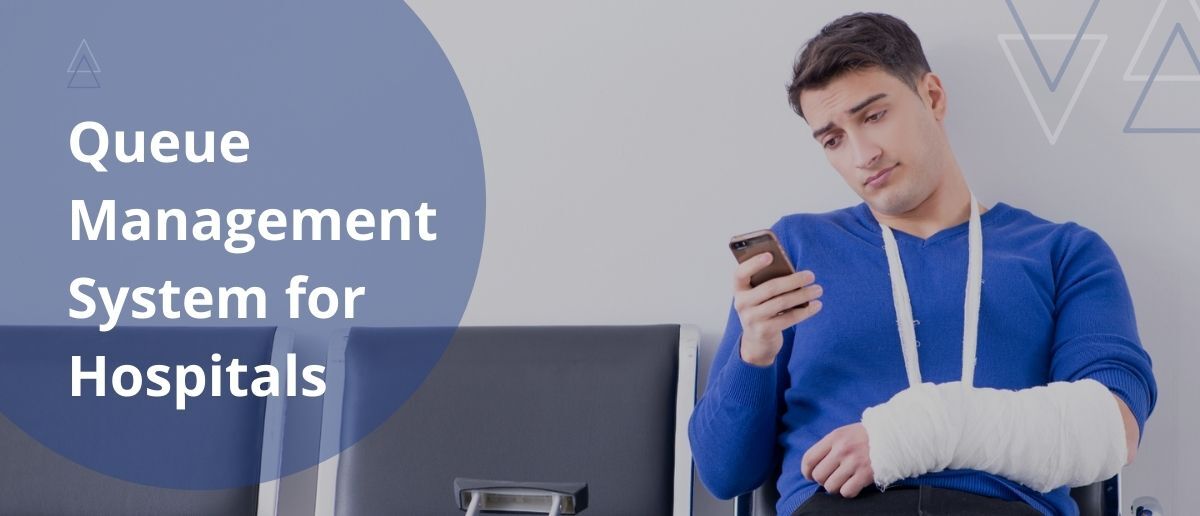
x=913 y=501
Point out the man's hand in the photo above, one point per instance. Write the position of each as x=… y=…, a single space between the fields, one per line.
x=769 y=308
x=841 y=461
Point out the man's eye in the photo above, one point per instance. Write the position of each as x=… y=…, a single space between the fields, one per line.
x=830 y=143
x=876 y=116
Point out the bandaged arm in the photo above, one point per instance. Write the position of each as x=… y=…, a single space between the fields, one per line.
x=1064 y=433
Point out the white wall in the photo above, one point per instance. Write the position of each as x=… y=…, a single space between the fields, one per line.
x=624 y=141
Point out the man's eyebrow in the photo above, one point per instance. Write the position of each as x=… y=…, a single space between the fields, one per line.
x=856 y=108
x=861 y=105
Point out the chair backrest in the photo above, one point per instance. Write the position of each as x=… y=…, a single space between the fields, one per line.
x=594 y=404
x=35 y=479
x=1098 y=499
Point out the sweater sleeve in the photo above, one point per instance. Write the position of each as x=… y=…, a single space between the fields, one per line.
x=1095 y=332
x=733 y=428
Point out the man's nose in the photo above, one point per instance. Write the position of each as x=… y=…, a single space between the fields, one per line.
x=865 y=154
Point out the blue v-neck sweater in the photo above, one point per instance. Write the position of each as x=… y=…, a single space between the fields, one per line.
x=1054 y=306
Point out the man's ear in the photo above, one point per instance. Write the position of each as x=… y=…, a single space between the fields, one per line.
x=933 y=95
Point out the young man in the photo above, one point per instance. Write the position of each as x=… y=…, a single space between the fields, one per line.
x=892 y=392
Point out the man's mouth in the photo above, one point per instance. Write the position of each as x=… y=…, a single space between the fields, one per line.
x=880 y=174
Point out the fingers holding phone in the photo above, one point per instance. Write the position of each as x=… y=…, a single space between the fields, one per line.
x=790 y=293
x=769 y=296
x=768 y=309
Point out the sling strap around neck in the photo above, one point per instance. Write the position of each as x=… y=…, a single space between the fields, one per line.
x=908 y=334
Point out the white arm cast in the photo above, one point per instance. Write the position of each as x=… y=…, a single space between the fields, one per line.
x=1065 y=433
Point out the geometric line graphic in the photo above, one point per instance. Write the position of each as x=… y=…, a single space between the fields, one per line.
x=1162 y=56
x=86 y=50
x=1137 y=54
x=1052 y=134
x=1037 y=58
x=83 y=61
x=88 y=80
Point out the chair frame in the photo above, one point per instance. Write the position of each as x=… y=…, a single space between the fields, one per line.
x=274 y=423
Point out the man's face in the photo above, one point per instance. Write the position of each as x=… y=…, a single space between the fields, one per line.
x=868 y=122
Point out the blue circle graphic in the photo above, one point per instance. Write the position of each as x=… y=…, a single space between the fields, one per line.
x=349 y=110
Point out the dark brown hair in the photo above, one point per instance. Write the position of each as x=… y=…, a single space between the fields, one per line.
x=854 y=42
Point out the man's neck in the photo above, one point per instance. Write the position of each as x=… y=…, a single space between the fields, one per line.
x=948 y=206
